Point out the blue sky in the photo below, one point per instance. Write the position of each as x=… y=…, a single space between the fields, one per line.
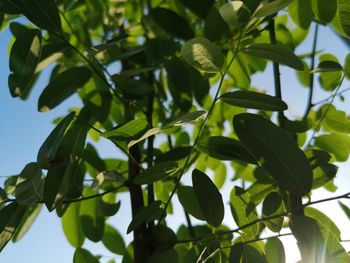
x=24 y=129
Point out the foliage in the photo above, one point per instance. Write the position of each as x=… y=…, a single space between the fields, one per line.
x=145 y=72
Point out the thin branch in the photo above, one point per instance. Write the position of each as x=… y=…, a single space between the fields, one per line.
x=347 y=195
x=162 y=216
x=325 y=112
x=312 y=66
x=328 y=98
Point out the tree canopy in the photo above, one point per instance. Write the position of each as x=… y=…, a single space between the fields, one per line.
x=169 y=84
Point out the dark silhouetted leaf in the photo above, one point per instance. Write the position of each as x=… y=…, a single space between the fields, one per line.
x=277 y=53
x=276 y=151
x=254 y=100
x=156 y=173
x=209 y=198
x=189 y=201
x=273 y=205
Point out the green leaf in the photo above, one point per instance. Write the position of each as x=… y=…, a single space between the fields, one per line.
x=82 y=255
x=243 y=211
x=301 y=12
x=172 y=23
x=147 y=134
x=327 y=66
x=331 y=79
x=164 y=256
x=276 y=151
x=48 y=149
x=61 y=177
x=63 y=86
x=345 y=209
x=127 y=131
x=24 y=58
x=224 y=148
x=199 y=7
x=28 y=219
x=113 y=241
x=323 y=220
x=344 y=15
x=29 y=185
x=324 y=10
x=9 y=7
x=253 y=100
x=157 y=172
x=186 y=119
x=246 y=253
x=323 y=174
x=145 y=215
x=269 y=8
x=336 y=144
x=273 y=205
x=163 y=237
x=209 y=198
x=203 y=55
x=278 y=53
x=347 y=66
x=10 y=218
x=189 y=202
x=275 y=251
x=71 y=225
x=110 y=209
x=91 y=216
x=235 y=14
x=209 y=251
x=42 y=13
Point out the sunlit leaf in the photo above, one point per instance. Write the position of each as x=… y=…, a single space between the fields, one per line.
x=344 y=15
x=82 y=255
x=203 y=55
x=324 y=10
x=243 y=211
x=269 y=8
x=275 y=251
x=113 y=240
x=71 y=225
x=301 y=12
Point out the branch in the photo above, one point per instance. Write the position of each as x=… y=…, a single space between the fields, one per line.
x=312 y=66
x=162 y=216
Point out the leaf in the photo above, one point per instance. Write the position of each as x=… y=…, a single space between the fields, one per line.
x=327 y=66
x=276 y=151
x=147 y=134
x=109 y=209
x=186 y=119
x=270 y=8
x=10 y=218
x=347 y=66
x=24 y=58
x=209 y=198
x=157 y=172
x=324 y=10
x=9 y=7
x=92 y=218
x=275 y=251
x=253 y=100
x=329 y=80
x=278 y=53
x=323 y=220
x=164 y=256
x=345 y=209
x=60 y=178
x=235 y=14
x=336 y=144
x=344 y=15
x=63 y=86
x=203 y=55
x=29 y=185
x=301 y=12
x=48 y=149
x=71 y=225
x=189 y=202
x=172 y=23
x=127 y=131
x=199 y=7
x=209 y=251
x=42 y=13
x=82 y=255
x=246 y=253
x=145 y=215
x=323 y=174
x=224 y=148
x=113 y=241
x=243 y=211
x=273 y=205
x=26 y=223
x=163 y=237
